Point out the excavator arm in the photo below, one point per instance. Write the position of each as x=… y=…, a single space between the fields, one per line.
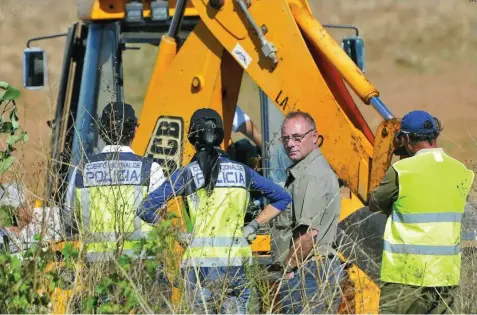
x=303 y=74
x=297 y=64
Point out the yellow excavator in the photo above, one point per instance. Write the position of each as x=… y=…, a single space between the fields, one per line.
x=204 y=49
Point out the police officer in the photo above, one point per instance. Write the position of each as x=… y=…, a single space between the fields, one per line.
x=216 y=192
x=110 y=187
x=424 y=197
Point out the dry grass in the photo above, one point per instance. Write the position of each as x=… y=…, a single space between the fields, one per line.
x=420 y=54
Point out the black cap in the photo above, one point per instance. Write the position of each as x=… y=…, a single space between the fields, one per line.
x=200 y=116
x=198 y=122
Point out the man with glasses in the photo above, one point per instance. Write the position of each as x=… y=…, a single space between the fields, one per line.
x=424 y=197
x=302 y=238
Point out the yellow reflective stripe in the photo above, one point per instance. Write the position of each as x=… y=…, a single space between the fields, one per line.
x=113 y=237
x=218 y=242
x=427 y=217
x=106 y=256
x=103 y=256
x=139 y=194
x=421 y=249
x=218 y=256
x=109 y=246
x=215 y=261
x=438 y=233
x=85 y=195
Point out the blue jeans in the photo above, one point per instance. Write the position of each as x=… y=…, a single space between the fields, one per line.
x=223 y=290
x=314 y=289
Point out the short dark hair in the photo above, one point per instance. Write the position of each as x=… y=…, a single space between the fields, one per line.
x=118 y=124
x=299 y=114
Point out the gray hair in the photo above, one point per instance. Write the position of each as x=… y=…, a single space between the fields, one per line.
x=298 y=114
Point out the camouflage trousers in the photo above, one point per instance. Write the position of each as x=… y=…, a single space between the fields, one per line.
x=397 y=298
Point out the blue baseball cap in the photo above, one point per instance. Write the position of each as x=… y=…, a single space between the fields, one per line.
x=419 y=121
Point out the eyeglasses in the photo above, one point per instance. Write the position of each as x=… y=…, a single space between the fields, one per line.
x=295 y=137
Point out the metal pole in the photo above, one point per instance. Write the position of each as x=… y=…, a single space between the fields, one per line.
x=177 y=18
x=381 y=108
x=45 y=37
x=268 y=49
x=87 y=97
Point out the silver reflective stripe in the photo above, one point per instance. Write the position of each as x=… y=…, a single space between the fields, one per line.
x=427 y=217
x=113 y=237
x=85 y=200
x=138 y=197
x=106 y=256
x=421 y=249
x=215 y=261
x=218 y=241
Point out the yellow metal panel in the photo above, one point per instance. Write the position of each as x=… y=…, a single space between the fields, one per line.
x=367 y=293
x=349 y=204
x=261 y=244
x=176 y=96
x=296 y=83
x=229 y=89
x=233 y=24
x=189 y=11
x=363 y=179
x=383 y=150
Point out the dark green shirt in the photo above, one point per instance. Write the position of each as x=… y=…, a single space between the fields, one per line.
x=383 y=197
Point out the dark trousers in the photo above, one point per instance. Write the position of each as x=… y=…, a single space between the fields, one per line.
x=217 y=290
x=315 y=288
x=397 y=298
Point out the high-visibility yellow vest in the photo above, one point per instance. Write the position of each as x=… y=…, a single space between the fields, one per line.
x=422 y=235
x=216 y=221
x=108 y=191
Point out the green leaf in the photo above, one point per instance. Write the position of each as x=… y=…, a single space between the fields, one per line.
x=67 y=249
x=75 y=253
x=166 y=223
x=11 y=140
x=103 y=287
x=15 y=263
x=8 y=92
x=14 y=119
x=25 y=137
x=3 y=259
x=6 y=164
x=17 y=276
x=124 y=261
x=7 y=127
x=106 y=309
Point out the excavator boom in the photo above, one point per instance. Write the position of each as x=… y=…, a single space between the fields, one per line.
x=204 y=49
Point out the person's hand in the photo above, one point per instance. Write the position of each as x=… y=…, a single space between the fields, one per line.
x=289 y=275
x=250 y=231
